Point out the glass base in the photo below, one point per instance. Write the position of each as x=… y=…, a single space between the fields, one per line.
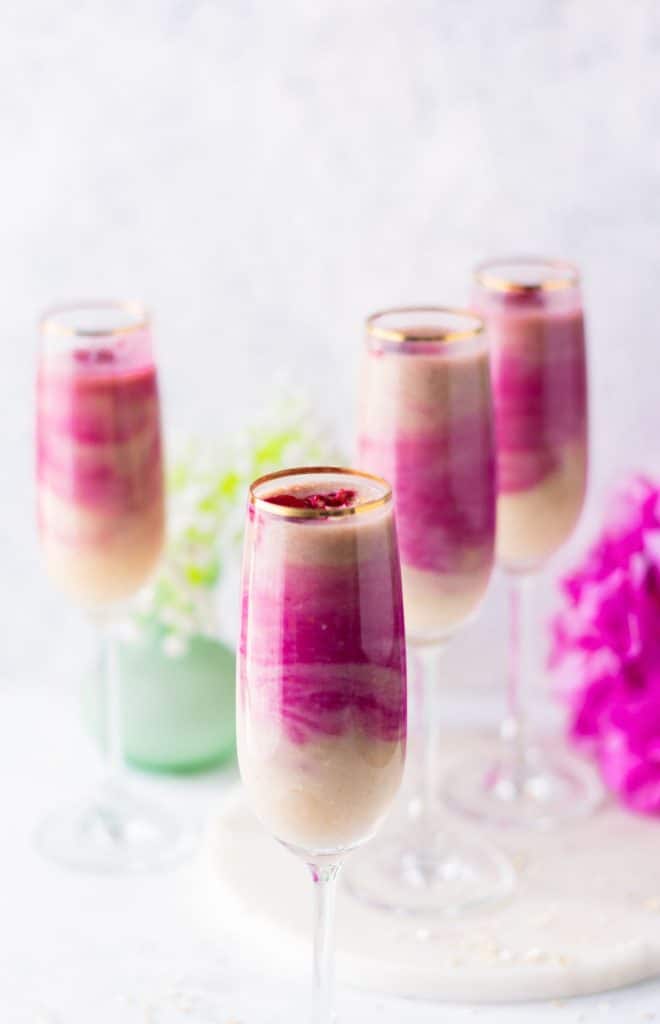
x=548 y=788
x=443 y=875
x=114 y=833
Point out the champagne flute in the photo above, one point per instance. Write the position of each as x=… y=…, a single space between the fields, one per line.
x=321 y=703
x=533 y=309
x=426 y=424
x=101 y=522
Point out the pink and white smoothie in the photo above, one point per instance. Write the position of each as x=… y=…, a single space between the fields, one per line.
x=99 y=463
x=536 y=331
x=426 y=425
x=321 y=709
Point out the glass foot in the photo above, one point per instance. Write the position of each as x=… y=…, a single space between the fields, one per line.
x=444 y=875
x=549 y=787
x=114 y=833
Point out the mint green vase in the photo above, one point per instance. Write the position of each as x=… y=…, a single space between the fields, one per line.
x=177 y=712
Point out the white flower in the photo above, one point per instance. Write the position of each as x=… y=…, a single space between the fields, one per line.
x=175 y=644
x=206 y=499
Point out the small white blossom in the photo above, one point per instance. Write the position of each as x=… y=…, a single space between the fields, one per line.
x=174 y=645
x=207 y=491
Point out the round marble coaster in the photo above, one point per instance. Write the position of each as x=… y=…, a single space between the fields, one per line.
x=585 y=916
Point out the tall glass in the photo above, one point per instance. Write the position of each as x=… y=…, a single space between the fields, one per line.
x=533 y=309
x=426 y=424
x=321 y=708
x=101 y=522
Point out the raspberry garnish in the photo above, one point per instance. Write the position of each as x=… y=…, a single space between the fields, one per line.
x=343 y=498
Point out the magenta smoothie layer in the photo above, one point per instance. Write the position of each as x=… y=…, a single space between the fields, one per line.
x=540 y=388
x=99 y=467
x=444 y=487
x=301 y=660
x=321 y=674
x=99 y=439
x=426 y=426
x=311 y=642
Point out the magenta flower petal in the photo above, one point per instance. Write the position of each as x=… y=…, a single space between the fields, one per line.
x=605 y=648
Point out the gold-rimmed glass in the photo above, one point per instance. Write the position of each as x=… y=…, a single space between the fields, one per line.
x=264 y=484
x=534 y=312
x=101 y=513
x=412 y=325
x=526 y=275
x=425 y=423
x=95 y=319
x=321 y=678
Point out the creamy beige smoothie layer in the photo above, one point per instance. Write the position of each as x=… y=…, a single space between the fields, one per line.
x=92 y=560
x=329 y=792
x=534 y=523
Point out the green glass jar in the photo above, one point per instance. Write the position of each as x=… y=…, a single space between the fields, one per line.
x=177 y=709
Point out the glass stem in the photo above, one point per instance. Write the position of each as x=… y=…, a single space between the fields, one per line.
x=428 y=663
x=324 y=877
x=520 y=669
x=111 y=682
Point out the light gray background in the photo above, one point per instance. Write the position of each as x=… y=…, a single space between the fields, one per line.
x=263 y=174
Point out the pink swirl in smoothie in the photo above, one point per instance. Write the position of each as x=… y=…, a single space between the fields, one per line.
x=321 y=661
x=321 y=711
x=444 y=482
x=540 y=387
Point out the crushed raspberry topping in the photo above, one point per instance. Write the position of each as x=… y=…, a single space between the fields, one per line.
x=343 y=498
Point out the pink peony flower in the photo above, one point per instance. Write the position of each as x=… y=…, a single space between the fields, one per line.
x=606 y=648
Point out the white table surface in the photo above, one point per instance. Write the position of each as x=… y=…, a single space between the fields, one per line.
x=78 y=949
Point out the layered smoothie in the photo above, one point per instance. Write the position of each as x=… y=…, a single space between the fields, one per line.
x=536 y=332
x=425 y=423
x=321 y=710
x=99 y=466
